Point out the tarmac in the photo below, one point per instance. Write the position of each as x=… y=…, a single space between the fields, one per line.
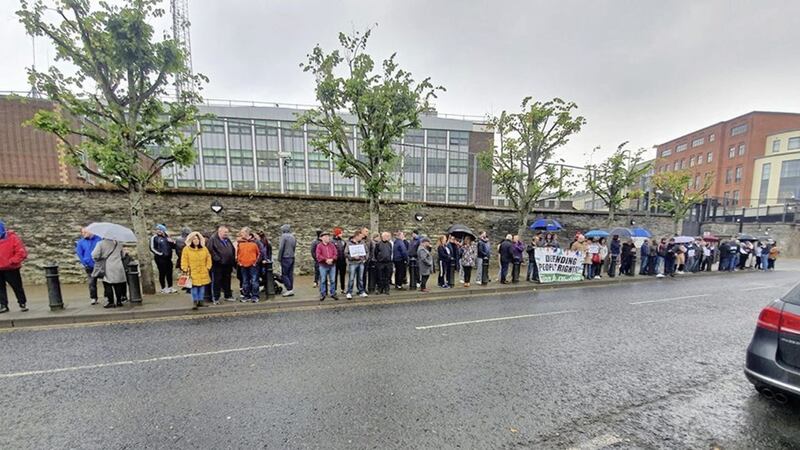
x=78 y=310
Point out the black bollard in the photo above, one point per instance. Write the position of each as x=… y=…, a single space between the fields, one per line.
x=515 y=271
x=53 y=286
x=451 y=274
x=485 y=271
x=413 y=274
x=372 y=276
x=269 y=288
x=134 y=287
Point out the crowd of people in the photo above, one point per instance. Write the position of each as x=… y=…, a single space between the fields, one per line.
x=361 y=263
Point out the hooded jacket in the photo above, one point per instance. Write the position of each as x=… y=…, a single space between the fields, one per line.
x=196 y=261
x=12 y=251
x=287 y=244
x=425 y=260
x=84 y=248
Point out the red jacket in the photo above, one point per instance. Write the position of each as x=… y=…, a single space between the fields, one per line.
x=326 y=251
x=12 y=252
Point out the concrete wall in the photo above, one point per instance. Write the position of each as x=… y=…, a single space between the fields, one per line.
x=48 y=219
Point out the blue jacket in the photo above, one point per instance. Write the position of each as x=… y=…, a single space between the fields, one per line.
x=645 y=250
x=615 y=248
x=160 y=246
x=400 y=251
x=84 y=249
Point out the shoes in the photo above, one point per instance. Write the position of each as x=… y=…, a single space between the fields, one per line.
x=215 y=302
x=334 y=297
x=109 y=305
x=363 y=294
x=230 y=299
x=466 y=285
x=164 y=291
x=316 y=284
x=322 y=298
x=3 y=309
x=244 y=300
x=288 y=293
x=424 y=290
x=172 y=290
x=202 y=304
x=92 y=301
x=23 y=308
x=256 y=300
x=194 y=307
x=119 y=304
x=348 y=296
x=596 y=277
x=386 y=292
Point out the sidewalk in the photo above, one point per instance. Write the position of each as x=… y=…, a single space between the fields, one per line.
x=77 y=308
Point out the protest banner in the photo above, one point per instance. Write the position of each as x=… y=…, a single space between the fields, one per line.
x=557 y=264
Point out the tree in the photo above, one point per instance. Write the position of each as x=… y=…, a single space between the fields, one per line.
x=383 y=106
x=613 y=178
x=676 y=195
x=113 y=98
x=522 y=166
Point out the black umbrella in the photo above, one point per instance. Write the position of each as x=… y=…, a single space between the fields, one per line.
x=747 y=237
x=621 y=232
x=459 y=231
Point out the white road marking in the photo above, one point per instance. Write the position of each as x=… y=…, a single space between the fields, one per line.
x=141 y=361
x=496 y=319
x=757 y=288
x=670 y=299
x=598 y=442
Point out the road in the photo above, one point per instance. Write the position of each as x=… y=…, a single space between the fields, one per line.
x=643 y=365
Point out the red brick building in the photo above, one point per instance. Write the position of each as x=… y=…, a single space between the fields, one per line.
x=726 y=151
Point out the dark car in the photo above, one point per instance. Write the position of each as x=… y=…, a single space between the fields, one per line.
x=773 y=357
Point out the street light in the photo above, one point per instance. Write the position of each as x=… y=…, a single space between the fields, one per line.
x=216 y=206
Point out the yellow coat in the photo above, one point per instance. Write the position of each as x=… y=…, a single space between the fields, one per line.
x=196 y=262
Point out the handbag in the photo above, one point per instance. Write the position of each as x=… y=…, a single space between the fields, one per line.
x=185 y=281
x=596 y=258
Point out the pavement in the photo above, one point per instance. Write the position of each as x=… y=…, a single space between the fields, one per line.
x=656 y=364
x=77 y=307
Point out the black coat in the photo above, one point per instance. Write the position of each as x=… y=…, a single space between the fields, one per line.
x=383 y=251
x=506 y=251
x=222 y=253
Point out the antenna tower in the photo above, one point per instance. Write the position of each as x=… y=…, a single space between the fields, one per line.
x=180 y=31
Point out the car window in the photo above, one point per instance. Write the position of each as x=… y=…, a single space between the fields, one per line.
x=793 y=296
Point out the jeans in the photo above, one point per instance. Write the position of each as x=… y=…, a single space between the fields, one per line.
x=399 y=273
x=92 y=283
x=356 y=271
x=643 y=266
x=327 y=274
x=504 y=271
x=612 y=267
x=287 y=273
x=533 y=272
x=732 y=261
x=250 y=283
x=479 y=270
x=659 y=265
x=14 y=279
x=198 y=292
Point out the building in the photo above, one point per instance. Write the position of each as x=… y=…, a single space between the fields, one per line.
x=777 y=170
x=258 y=147
x=726 y=151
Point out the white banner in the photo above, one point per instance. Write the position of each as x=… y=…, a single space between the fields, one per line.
x=557 y=264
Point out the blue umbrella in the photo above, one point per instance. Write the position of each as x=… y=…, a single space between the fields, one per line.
x=596 y=234
x=546 y=225
x=621 y=232
x=640 y=232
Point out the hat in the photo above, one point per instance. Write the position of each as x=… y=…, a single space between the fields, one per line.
x=161 y=227
x=425 y=239
x=324 y=233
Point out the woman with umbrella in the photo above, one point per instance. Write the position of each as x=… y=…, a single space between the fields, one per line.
x=469 y=252
x=108 y=266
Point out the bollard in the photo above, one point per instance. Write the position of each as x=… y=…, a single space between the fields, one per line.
x=53 y=286
x=134 y=287
x=413 y=274
x=485 y=271
x=269 y=277
x=515 y=271
x=451 y=274
x=371 y=276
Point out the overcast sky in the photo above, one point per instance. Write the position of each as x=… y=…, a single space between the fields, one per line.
x=643 y=71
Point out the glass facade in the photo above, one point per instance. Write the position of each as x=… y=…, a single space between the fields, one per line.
x=764 y=187
x=248 y=154
x=789 y=187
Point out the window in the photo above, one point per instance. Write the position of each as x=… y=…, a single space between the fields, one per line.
x=698 y=142
x=741 y=149
x=728 y=176
x=794 y=143
x=682 y=164
x=691 y=161
x=735 y=198
x=776 y=146
x=731 y=152
x=789 y=186
x=762 y=193
x=725 y=198
x=680 y=148
x=712 y=137
x=666 y=152
x=709 y=157
x=740 y=129
x=697 y=181
x=699 y=159
x=738 y=174
x=675 y=166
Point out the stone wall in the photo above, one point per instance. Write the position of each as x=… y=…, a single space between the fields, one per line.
x=49 y=218
x=787 y=235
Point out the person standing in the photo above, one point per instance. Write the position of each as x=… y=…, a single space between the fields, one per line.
x=383 y=257
x=326 y=257
x=469 y=252
x=615 y=249
x=196 y=263
x=506 y=251
x=444 y=254
x=314 y=244
x=248 y=256
x=532 y=272
x=286 y=251
x=223 y=258
x=625 y=263
x=84 y=248
x=644 y=252
x=484 y=253
x=603 y=257
x=400 y=259
x=180 y=244
x=161 y=246
x=369 y=262
x=425 y=263
x=413 y=247
x=341 y=261
x=669 y=259
x=12 y=255
x=356 y=254
x=772 y=256
x=109 y=254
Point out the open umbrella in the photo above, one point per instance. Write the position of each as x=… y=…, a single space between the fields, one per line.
x=710 y=238
x=546 y=225
x=640 y=232
x=596 y=234
x=746 y=237
x=459 y=231
x=112 y=231
x=683 y=239
x=621 y=232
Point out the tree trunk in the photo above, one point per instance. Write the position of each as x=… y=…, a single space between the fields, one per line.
x=675 y=223
x=374 y=213
x=522 y=221
x=136 y=199
x=611 y=211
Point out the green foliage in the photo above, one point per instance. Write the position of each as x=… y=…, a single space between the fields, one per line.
x=675 y=193
x=383 y=105
x=613 y=179
x=109 y=109
x=523 y=166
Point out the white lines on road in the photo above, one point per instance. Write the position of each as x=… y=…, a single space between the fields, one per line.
x=496 y=319
x=758 y=288
x=141 y=361
x=598 y=442
x=670 y=299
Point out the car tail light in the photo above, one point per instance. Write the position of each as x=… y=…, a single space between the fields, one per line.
x=790 y=323
x=770 y=318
